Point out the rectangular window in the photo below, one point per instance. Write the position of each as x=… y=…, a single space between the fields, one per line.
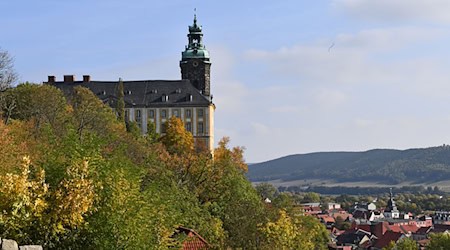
x=200 y=113
x=188 y=126
x=188 y=113
x=200 y=128
x=176 y=113
x=151 y=113
x=138 y=115
x=163 y=114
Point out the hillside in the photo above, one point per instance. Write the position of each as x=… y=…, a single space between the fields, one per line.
x=385 y=166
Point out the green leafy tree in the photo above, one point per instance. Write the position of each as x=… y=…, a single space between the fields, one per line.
x=403 y=244
x=311 y=197
x=266 y=190
x=439 y=242
x=90 y=114
x=43 y=104
x=152 y=135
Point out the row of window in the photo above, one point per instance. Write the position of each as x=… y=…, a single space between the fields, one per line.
x=176 y=113
x=188 y=127
x=164 y=113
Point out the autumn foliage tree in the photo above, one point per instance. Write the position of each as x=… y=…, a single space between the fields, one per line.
x=72 y=177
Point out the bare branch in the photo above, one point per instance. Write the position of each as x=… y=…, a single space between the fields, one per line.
x=7 y=73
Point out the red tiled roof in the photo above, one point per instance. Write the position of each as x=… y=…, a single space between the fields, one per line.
x=328 y=219
x=403 y=228
x=193 y=241
x=387 y=238
x=364 y=227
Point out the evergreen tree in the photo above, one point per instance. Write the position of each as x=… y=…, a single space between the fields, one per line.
x=120 y=106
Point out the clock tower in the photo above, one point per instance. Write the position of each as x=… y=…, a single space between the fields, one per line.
x=195 y=64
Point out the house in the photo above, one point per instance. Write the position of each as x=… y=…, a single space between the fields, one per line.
x=312 y=208
x=153 y=102
x=193 y=240
x=442 y=217
x=357 y=238
x=368 y=206
x=387 y=238
x=333 y=206
x=424 y=221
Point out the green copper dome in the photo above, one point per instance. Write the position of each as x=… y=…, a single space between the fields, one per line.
x=195 y=47
x=190 y=53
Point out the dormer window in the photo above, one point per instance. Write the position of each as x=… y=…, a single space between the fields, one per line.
x=165 y=98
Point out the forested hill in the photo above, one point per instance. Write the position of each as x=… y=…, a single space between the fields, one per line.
x=379 y=165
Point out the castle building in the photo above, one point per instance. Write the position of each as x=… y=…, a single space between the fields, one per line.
x=155 y=101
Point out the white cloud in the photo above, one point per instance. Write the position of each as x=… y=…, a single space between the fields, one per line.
x=375 y=88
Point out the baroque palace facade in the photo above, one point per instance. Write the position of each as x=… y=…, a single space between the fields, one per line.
x=156 y=101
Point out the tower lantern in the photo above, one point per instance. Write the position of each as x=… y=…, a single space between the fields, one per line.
x=195 y=61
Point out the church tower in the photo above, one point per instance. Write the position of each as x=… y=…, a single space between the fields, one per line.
x=195 y=64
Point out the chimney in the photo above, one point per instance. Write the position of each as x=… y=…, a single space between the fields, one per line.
x=69 y=78
x=51 y=79
x=86 y=78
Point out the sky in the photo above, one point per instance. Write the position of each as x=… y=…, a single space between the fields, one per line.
x=288 y=77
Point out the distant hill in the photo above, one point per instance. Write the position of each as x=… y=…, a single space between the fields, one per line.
x=386 y=166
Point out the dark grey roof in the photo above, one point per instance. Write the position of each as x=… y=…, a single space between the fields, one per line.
x=147 y=93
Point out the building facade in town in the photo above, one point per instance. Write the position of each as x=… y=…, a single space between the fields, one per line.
x=155 y=101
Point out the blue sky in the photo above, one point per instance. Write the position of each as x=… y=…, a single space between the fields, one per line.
x=278 y=88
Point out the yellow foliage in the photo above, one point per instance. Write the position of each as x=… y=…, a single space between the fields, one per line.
x=75 y=195
x=297 y=232
x=235 y=155
x=22 y=198
x=27 y=203
x=177 y=140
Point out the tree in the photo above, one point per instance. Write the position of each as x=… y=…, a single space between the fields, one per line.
x=120 y=105
x=266 y=190
x=152 y=135
x=294 y=232
x=7 y=72
x=90 y=114
x=176 y=139
x=40 y=103
x=311 y=197
x=439 y=242
x=403 y=244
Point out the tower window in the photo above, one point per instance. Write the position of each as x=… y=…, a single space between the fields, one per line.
x=200 y=128
x=200 y=113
